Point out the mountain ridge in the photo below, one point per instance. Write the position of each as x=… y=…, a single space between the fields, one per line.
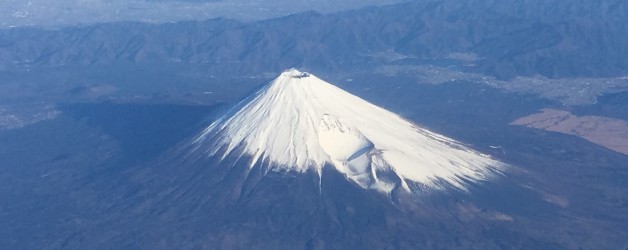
x=515 y=39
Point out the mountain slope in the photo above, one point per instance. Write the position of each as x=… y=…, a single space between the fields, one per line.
x=563 y=193
x=299 y=122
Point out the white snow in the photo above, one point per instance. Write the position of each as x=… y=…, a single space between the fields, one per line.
x=300 y=122
x=340 y=141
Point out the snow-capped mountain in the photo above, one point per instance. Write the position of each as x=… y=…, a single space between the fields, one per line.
x=299 y=122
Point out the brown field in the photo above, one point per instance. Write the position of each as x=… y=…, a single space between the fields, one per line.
x=607 y=132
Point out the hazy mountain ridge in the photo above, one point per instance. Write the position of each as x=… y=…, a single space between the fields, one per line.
x=51 y=14
x=553 y=38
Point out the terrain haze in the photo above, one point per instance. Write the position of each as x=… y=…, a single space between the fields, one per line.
x=59 y=13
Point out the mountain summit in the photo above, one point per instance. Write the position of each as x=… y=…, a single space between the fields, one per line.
x=299 y=122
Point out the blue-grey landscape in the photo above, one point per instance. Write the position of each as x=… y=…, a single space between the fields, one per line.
x=241 y=124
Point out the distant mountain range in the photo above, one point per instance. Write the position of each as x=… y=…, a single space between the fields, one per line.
x=45 y=13
x=510 y=38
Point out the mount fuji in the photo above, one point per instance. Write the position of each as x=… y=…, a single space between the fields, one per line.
x=299 y=122
x=303 y=164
